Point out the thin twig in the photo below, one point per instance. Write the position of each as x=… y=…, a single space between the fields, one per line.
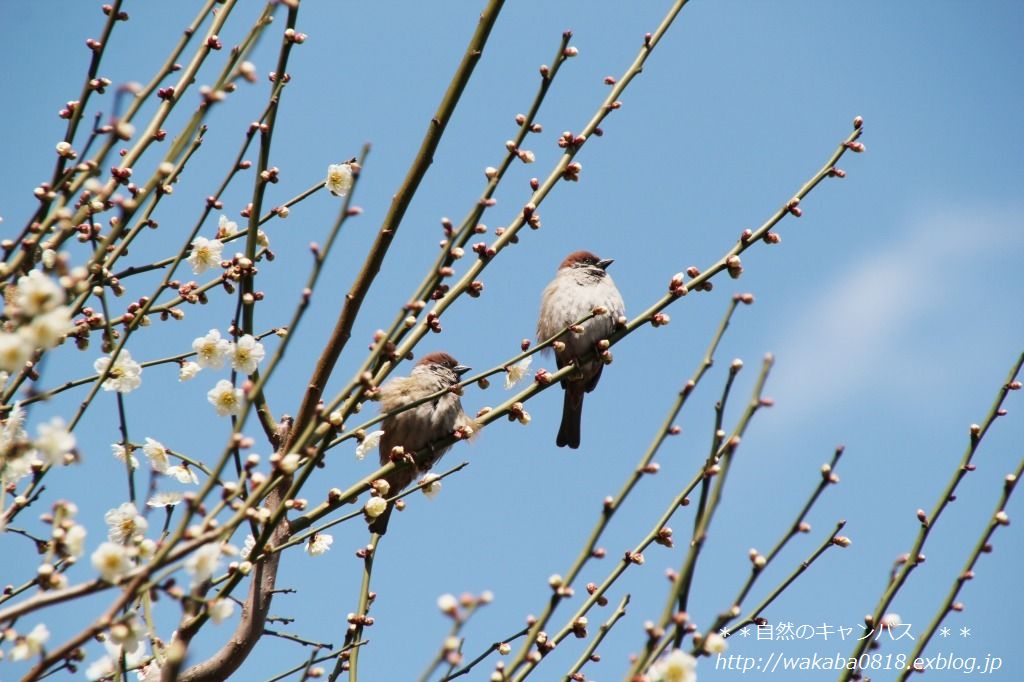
x=999 y=518
x=914 y=557
x=620 y=611
x=464 y=670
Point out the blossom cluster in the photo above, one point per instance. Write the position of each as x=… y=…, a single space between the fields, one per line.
x=36 y=319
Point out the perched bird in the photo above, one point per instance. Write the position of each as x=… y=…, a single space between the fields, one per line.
x=581 y=285
x=417 y=429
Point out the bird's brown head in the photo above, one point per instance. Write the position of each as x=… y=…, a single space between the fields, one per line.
x=444 y=360
x=585 y=259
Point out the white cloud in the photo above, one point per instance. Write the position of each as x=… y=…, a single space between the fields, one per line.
x=882 y=329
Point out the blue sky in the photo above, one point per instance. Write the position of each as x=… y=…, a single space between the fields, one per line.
x=892 y=306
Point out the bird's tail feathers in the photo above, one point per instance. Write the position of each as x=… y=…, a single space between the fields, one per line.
x=572 y=414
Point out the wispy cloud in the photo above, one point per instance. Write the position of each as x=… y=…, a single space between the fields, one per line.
x=872 y=332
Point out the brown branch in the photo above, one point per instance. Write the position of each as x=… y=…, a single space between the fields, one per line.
x=424 y=158
x=250 y=627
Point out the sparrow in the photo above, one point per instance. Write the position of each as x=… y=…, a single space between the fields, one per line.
x=417 y=429
x=582 y=284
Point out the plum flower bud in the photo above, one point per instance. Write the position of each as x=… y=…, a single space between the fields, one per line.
x=431 y=485
x=842 y=541
x=289 y=463
x=714 y=643
x=448 y=604
x=517 y=413
x=676 y=286
x=579 y=627
x=375 y=506
x=735 y=267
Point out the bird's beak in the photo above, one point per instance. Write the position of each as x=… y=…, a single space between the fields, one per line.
x=461 y=369
x=603 y=264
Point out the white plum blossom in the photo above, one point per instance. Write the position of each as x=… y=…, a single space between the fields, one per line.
x=447 y=603
x=18 y=468
x=715 y=643
x=146 y=549
x=188 y=370
x=54 y=441
x=229 y=228
x=339 y=179
x=246 y=354
x=168 y=499
x=125 y=523
x=157 y=454
x=183 y=474
x=515 y=373
x=226 y=399
x=370 y=442
x=36 y=293
x=226 y=227
x=247 y=546
x=15 y=460
x=432 y=485
x=319 y=544
x=221 y=610
x=678 y=666
x=203 y=562
x=124 y=377
x=128 y=633
x=14 y=352
x=108 y=666
x=150 y=672
x=13 y=429
x=31 y=644
x=47 y=330
x=211 y=350
x=375 y=506
x=111 y=560
x=205 y=254
x=74 y=540
x=122 y=454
